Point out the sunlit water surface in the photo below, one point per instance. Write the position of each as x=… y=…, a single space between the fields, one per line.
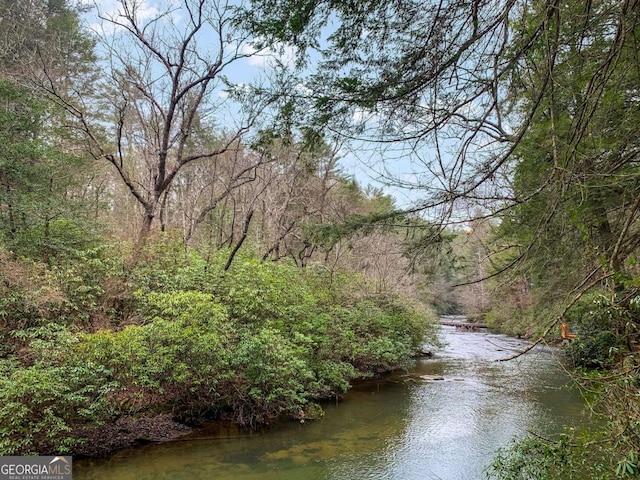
x=399 y=428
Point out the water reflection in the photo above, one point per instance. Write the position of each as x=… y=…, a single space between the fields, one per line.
x=400 y=428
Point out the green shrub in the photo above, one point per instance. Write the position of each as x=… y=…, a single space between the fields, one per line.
x=175 y=360
x=271 y=377
x=43 y=405
x=67 y=293
x=574 y=456
x=599 y=337
x=595 y=350
x=252 y=343
x=257 y=291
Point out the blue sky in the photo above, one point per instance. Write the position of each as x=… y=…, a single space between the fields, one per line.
x=256 y=67
x=398 y=169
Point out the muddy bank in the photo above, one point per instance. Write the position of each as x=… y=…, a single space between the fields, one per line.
x=129 y=432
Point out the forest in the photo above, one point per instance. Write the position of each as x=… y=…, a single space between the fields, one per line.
x=182 y=232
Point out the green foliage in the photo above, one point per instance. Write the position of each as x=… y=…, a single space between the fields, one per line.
x=251 y=343
x=37 y=218
x=85 y=282
x=164 y=265
x=74 y=291
x=381 y=343
x=575 y=219
x=29 y=294
x=531 y=458
x=599 y=341
x=574 y=171
x=174 y=360
x=55 y=240
x=597 y=350
x=587 y=455
x=42 y=30
x=43 y=404
x=629 y=466
x=508 y=317
x=383 y=217
x=271 y=377
x=539 y=459
x=259 y=291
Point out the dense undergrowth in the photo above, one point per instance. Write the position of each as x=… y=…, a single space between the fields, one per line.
x=91 y=339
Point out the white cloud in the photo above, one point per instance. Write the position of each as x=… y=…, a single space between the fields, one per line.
x=268 y=56
x=411 y=178
x=365 y=115
x=147 y=11
x=303 y=90
x=144 y=10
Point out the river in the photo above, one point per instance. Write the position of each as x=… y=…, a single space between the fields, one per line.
x=400 y=428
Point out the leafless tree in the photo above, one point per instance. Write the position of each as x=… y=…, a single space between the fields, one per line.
x=162 y=84
x=298 y=193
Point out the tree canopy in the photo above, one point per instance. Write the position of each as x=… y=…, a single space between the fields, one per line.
x=141 y=178
x=524 y=113
x=523 y=109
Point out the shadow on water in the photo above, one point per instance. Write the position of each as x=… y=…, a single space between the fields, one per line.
x=402 y=427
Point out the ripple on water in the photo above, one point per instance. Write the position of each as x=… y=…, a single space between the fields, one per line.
x=403 y=428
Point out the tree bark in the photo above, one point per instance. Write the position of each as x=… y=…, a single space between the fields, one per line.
x=245 y=231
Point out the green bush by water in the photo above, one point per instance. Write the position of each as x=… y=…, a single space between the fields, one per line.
x=256 y=342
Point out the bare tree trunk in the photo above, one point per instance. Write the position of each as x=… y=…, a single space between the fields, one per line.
x=163 y=211
x=245 y=231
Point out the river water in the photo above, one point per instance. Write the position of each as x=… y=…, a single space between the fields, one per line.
x=402 y=427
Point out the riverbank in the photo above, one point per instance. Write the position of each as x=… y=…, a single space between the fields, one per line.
x=399 y=427
x=251 y=344
x=130 y=432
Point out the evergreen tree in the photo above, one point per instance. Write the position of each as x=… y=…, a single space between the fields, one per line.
x=39 y=216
